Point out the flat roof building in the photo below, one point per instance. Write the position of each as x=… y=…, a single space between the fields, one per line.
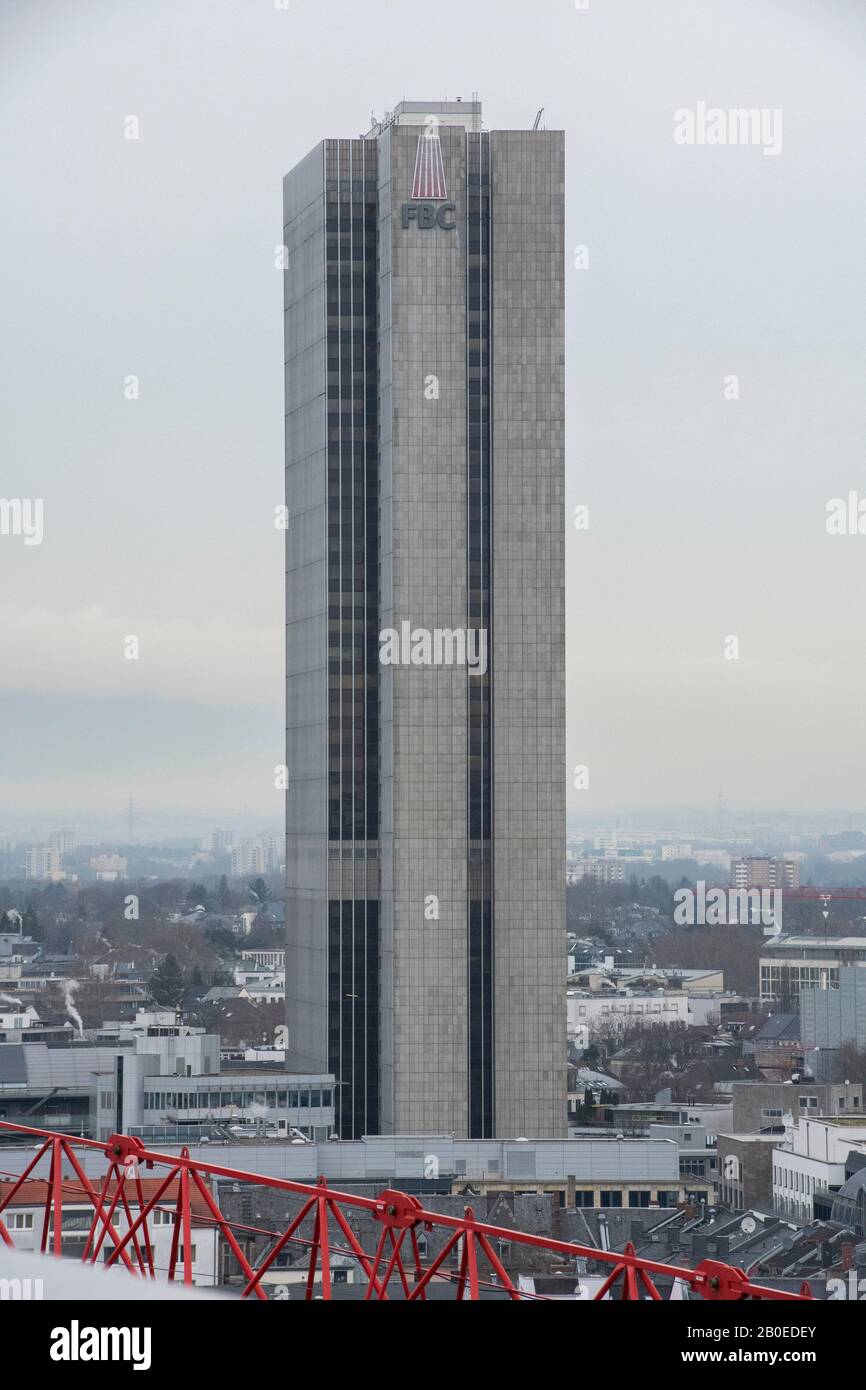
x=831 y=1017
x=766 y=1106
x=424 y=357
x=761 y=871
x=581 y=1172
x=792 y=963
x=813 y=1160
x=153 y=1085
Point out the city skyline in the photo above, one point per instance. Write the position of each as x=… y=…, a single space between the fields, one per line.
x=432 y=832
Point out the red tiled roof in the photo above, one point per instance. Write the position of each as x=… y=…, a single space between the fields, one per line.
x=34 y=1191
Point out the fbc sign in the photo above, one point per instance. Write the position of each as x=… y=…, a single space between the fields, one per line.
x=426 y=215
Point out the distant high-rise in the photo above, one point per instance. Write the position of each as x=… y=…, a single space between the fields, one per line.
x=763 y=872
x=424 y=358
x=248 y=857
x=42 y=862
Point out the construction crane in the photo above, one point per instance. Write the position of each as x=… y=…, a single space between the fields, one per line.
x=124 y=1211
x=537 y=122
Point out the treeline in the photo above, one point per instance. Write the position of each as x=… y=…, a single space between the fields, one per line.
x=93 y=920
x=604 y=898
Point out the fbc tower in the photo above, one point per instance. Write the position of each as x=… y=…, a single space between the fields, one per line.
x=425 y=735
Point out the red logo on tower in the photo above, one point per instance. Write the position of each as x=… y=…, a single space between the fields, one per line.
x=429 y=179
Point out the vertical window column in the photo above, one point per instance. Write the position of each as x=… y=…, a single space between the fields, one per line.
x=478 y=617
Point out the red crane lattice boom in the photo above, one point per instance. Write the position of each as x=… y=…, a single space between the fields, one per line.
x=397 y=1258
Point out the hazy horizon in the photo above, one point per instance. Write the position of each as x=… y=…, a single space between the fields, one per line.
x=155 y=258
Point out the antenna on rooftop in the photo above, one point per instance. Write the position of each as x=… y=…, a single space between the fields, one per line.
x=537 y=121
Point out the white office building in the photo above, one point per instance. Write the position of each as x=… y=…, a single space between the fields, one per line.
x=617 y=1012
x=812 y=1159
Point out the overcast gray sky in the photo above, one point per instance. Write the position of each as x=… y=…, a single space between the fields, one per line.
x=155 y=257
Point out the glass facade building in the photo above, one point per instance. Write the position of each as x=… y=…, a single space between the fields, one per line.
x=424 y=484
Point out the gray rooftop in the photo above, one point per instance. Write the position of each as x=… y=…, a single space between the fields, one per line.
x=818 y=943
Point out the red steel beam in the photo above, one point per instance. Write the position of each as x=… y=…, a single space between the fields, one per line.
x=397 y=1212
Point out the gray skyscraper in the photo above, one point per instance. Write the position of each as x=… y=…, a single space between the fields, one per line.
x=425 y=626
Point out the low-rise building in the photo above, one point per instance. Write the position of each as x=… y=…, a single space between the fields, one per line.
x=623 y=1009
x=775 y=1045
x=25 y=1214
x=583 y=1172
x=607 y=975
x=265 y=958
x=162 y=1081
x=762 y=1106
x=109 y=867
x=637 y=1117
x=709 y=1077
x=792 y=963
x=696 y=1146
x=812 y=1160
x=289 y=1269
x=745 y=1170
x=14 y=1019
x=261 y=986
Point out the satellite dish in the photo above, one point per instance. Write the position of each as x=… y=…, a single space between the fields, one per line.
x=748 y=1225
